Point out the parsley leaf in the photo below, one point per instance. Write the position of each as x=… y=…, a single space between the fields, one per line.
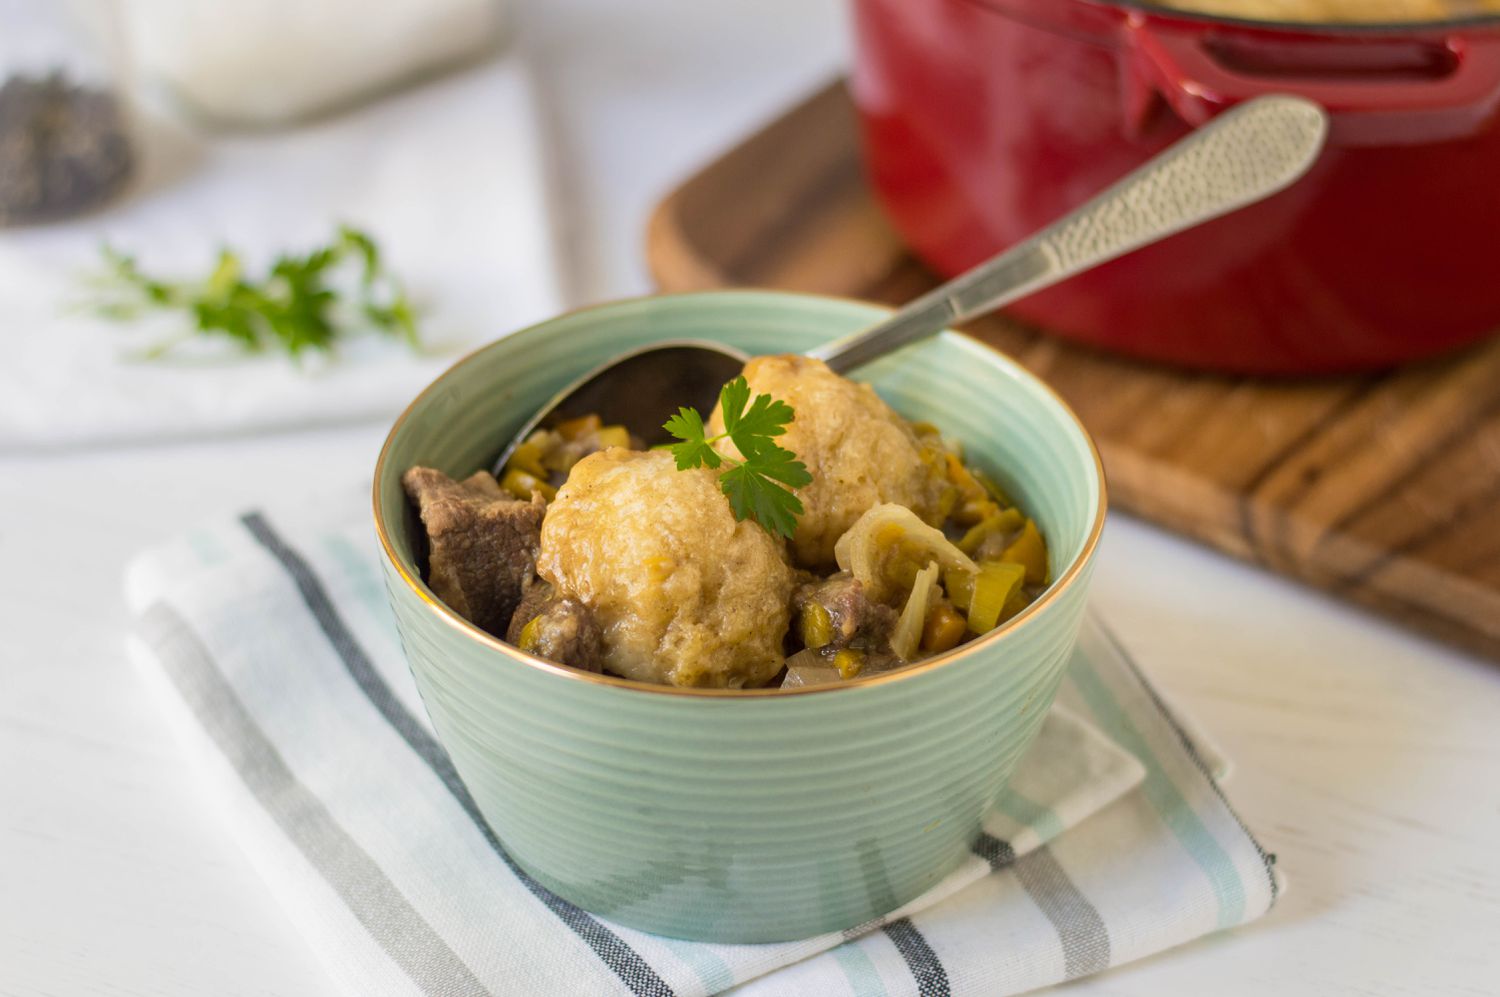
x=305 y=303
x=756 y=485
x=767 y=417
x=780 y=464
x=694 y=450
x=752 y=494
x=732 y=399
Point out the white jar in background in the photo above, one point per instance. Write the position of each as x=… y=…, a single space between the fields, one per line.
x=263 y=62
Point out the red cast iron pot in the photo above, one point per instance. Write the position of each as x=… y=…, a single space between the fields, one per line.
x=984 y=120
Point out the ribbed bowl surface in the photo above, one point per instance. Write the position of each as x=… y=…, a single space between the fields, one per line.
x=744 y=818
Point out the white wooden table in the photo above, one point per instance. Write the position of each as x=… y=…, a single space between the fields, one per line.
x=1368 y=759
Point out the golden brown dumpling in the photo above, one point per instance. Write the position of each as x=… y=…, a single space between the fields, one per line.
x=860 y=452
x=685 y=595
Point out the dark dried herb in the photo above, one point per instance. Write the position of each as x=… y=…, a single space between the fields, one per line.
x=64 y=148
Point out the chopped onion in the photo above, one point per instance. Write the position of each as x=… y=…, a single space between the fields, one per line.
x=886 y=529
x=808 y=667
x=908 y=632
x=810 y=676
x=808 y=657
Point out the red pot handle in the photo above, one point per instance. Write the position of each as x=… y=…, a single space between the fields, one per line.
x=1373 y=109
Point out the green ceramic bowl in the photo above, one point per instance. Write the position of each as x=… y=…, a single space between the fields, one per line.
x=753 y=816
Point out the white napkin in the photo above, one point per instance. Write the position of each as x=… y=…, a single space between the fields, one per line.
x=448 y=177
x=277 y=660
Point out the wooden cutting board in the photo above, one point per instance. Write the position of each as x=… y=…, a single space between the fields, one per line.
x=1383 y=489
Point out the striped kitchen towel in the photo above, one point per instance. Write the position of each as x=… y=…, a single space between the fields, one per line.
x=277 y=660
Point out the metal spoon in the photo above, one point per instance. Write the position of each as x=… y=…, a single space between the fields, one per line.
x=1246 y=154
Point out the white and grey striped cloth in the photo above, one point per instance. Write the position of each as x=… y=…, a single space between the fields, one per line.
x=278 y=663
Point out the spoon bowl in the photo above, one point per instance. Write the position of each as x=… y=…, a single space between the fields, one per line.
x=639 y=389
x=1243 y=156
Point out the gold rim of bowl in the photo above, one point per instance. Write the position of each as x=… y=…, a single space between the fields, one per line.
x=452 y=619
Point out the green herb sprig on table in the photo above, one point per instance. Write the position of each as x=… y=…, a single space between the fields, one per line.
x=756 y=486
x=304 y=303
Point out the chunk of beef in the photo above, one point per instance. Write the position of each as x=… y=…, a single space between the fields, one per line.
x=536 y=594
x=856 y=620
x=482 y=543
x=559 y=629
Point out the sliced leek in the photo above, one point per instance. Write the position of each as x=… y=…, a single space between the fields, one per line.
x=996 y=583
x=521 y=485
x=1003 y=522
x=886 y=547
x=1030 y=552
x=907 y=636
x=849 y=662
x=613 y=436
x=815 y=626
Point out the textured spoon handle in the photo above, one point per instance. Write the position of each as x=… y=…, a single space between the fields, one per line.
x=1247 y=154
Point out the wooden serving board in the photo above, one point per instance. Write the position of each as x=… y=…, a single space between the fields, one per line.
x=1383 y=489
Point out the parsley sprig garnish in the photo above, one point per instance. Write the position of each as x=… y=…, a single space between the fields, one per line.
x=756 y=486
x=305 y=302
